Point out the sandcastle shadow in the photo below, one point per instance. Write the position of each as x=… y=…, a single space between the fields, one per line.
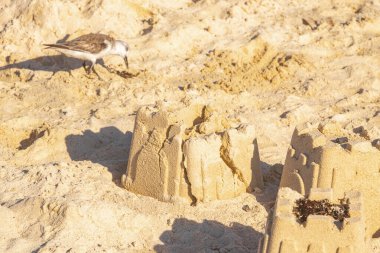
x=108 y=147
x=188 y=236
x=376 y=234
x=272 y=178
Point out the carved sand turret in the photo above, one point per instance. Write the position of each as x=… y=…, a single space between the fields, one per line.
x=328 y=156
x=191 y=154
x=319 y=234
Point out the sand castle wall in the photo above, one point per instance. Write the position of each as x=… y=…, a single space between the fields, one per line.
x=319 y=234
x=191 y=154
x=331 y=157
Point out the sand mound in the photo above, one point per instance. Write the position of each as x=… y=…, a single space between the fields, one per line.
x=253 y=65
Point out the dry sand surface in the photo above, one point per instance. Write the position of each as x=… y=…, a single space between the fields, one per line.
x=65 y=137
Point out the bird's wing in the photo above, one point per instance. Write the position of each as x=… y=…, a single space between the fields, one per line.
x=92 y=43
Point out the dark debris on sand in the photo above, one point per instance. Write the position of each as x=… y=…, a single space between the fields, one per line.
x=305 y=207
x=123 y=74
x=126 y=74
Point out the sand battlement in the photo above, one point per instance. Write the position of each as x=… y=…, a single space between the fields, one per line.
x=319 y=233
x=329 y=156
x=307 y=138
x=191 y=154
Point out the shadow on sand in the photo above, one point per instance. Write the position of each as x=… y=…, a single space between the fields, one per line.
x=108 y=147
x=54 y=64
x=271 y=177
x=187 y=236
x=57 y=63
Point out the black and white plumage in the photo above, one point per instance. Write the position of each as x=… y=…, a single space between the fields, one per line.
x=91 y=47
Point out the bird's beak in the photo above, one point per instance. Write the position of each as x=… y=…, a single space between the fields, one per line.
x=126 y=61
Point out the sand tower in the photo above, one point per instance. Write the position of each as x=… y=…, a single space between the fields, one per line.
x=329 y=156
x=191 y=154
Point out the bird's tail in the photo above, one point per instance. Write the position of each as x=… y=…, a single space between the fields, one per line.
x=62 y=46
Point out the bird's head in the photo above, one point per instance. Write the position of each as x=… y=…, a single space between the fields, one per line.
x=121 y=48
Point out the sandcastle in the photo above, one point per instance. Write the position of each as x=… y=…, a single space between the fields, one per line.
x=319 y=234
x=191 y=154
x=329 y=156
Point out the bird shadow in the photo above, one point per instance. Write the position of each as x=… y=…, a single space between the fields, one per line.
x=108 y=147
x=188 y=236
x=58 y=63
x=50 y=63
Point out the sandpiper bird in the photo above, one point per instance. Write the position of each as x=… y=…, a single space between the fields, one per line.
x=91 y=47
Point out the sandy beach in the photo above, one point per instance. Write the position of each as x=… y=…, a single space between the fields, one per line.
x=65 y=136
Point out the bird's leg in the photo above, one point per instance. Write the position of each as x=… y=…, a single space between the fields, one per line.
x=86 y=69
x=108 y=68
x=101 y=62
x=93 y=70
x=84 y=66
